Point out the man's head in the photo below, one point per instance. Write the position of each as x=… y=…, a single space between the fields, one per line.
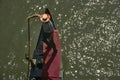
x=45 y=17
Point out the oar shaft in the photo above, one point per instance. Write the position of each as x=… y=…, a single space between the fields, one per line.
x=28 y=66
x=28 y=55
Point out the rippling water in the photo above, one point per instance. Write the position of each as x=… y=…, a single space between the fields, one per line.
x=89 y=32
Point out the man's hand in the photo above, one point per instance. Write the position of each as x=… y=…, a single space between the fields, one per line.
x=33 y=61
x=27 y=58
x=29 y=17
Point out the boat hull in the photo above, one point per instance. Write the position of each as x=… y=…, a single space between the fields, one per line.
x=52 y=60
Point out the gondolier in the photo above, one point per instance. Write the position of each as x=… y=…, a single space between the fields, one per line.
x=47 y=44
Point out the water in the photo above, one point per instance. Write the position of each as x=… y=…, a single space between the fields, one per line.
x=89 y=32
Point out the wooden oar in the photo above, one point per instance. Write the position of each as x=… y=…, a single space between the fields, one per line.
x=28 y=46
x=28 y=55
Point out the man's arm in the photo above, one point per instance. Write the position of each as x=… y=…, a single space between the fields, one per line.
x=34 y=15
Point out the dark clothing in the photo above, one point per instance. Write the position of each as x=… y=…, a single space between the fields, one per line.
x=36 y=70
x=48 y=27
x=47 y=33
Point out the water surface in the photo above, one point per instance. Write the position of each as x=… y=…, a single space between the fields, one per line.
x=89 y=32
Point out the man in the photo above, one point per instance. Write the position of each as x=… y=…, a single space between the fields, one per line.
x=46 y=36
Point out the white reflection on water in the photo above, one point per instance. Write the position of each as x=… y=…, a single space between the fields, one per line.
x=91 y=42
